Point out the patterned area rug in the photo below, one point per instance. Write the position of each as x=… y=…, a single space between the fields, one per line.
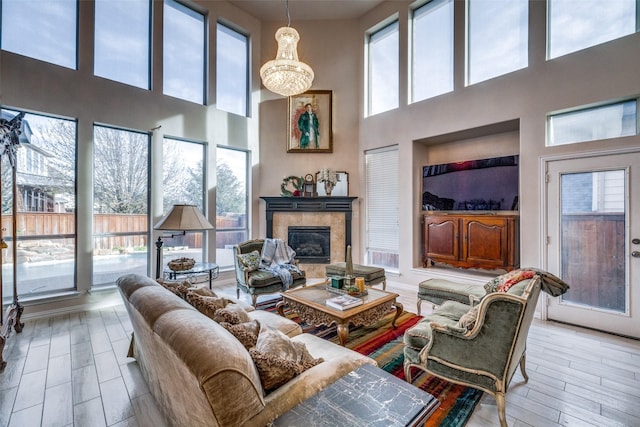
x=384 y=344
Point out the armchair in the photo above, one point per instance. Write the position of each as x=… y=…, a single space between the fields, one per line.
x=259 y=282
x=479 y=346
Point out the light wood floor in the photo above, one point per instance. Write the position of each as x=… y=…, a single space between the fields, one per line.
x=72 y=370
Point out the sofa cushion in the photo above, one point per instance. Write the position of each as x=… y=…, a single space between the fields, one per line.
x=369 y=273
x=279 y=359
x=249 y=262
x=261 y=279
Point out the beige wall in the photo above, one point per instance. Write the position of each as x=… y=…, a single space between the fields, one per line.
x=605 y=72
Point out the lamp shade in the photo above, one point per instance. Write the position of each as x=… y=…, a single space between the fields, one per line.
x=184 y=218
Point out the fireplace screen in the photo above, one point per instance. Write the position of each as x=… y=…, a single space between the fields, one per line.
x=312 y=244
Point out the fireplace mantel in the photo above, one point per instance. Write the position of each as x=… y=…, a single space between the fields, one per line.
x=310 y=204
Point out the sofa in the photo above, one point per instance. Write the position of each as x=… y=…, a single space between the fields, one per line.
x=202 y=375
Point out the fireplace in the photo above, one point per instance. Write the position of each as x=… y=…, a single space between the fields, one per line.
x=311 y=243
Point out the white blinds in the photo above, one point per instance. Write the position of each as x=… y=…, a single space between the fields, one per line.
x=382 y=199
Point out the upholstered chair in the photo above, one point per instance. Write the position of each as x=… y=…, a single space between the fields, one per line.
x=479 y=346
x=257 y=282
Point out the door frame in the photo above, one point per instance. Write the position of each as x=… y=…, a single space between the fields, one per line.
x=544 y=205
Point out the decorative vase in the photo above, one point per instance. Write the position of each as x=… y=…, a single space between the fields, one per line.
x=348 y=268
x=328 y=187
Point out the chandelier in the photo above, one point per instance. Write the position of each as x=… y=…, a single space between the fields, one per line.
x=286 y=75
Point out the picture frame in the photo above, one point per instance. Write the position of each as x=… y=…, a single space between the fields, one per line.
x=341 y=188
x=300 y=135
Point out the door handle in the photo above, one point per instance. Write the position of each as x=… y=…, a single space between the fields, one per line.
x=635 y=254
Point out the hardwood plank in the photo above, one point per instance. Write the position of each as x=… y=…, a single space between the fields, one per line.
x=100 y=342
x=30 y=390
x=60 y=344
x=115 y=400
x=85 y=384
x=10 y=378
x=79 y=334
x=58 y=406
x=59 y=370
x=133 y=380
x=81 y=355
x=7 y=398
x=37 y=358
x=89 y=413
x=106 y=366
x=28 y=417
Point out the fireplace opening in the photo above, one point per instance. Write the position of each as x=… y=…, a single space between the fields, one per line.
x=311 y=243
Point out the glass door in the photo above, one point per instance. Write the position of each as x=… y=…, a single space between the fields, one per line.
x=594 y=243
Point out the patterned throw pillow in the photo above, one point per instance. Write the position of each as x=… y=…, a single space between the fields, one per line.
x=231 y=313
x=279 y=359
x=504 y=282
x=206 y=305
x=246 y=333
x=179 y=288
x=250 y=262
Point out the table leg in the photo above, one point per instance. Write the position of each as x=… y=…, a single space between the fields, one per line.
x=280 y=307
x=343 y=333
x=210 y=278
x=399 y=310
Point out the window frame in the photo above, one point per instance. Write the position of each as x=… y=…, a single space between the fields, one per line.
x=388 y=26
x=247 y=73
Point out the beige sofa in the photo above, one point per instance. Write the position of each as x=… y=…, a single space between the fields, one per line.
x=201 y=375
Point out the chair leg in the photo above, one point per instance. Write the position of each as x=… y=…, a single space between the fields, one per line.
x=237 y=292
x=419 y=304
x=384 y=284
x=254 y=299
x=407 y=373
x=502 y=404
x=523 y=360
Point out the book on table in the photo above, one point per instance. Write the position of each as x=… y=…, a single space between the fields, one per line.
x=344 y=302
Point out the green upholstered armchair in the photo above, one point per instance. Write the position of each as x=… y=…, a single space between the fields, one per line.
x=481 y=350
x=258 y=282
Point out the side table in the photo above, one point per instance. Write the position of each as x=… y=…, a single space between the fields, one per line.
x=199 y=268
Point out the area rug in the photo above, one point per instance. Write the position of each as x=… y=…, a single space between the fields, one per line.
x=384 y=344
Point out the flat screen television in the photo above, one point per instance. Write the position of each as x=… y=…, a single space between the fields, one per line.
x=473 y=185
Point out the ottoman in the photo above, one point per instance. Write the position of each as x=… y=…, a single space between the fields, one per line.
x=372 y=275
x=438 y=291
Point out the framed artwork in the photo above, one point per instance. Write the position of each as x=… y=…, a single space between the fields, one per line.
x=310 y=127
x=341 y=188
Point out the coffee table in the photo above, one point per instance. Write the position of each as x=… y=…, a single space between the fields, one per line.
x=310 y=304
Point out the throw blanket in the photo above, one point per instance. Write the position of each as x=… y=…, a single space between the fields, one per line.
x=549 y=283
x=278 y=258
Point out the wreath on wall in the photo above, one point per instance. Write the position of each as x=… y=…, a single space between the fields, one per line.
x=291 y=181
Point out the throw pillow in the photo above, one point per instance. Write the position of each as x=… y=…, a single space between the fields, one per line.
x=231 y=313
x=278 y=359
x=468 y=320
x=249 y=262
x=505 y=281
x=204 y=291
x=206 y=305
x=246 y=333
x=179 y=288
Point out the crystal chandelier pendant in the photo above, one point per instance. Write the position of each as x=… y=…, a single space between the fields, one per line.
x=286 y=75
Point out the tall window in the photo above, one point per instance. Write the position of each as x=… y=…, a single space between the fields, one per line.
x=122 y=41
x=232 y=71
x=497 y=38
x=383 y=69
x=576 y=25
x=432 y=50
x=232 y=226
x=120 y=203
x=183 y=58
x=382 y=170
x=183 y=182
x=46 y=207
x=592 y=124
x=44 y=30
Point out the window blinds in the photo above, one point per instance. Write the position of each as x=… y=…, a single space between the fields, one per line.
x=382 y=167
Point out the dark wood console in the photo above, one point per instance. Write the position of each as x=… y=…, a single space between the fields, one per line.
x=467 y=240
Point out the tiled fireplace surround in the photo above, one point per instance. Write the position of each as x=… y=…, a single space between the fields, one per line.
x=334 y=212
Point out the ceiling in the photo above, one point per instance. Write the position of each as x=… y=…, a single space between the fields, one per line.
x=305 y=10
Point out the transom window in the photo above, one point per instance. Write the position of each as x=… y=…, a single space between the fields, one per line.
x=183 y=59
x=122 y=41
x=592 y=124
x=44 y=30
x=576 y=25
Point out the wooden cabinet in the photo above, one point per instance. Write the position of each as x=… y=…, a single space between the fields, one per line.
x=488 y=241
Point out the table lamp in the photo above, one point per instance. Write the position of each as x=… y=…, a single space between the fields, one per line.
x=180 y=218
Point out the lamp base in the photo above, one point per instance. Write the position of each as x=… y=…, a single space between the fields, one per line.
x=159 y=244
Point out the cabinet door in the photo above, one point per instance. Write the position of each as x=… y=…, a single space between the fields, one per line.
x=485 y=242
x=441 y=238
